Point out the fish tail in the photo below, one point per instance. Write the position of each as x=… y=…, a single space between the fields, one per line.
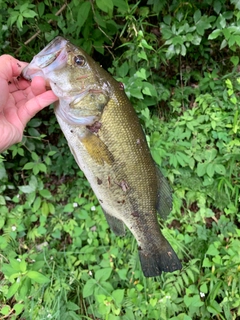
x=153 y=263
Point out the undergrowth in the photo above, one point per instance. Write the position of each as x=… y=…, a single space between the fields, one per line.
x=178 y=62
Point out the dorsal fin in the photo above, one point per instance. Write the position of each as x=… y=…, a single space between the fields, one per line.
x=164 y=202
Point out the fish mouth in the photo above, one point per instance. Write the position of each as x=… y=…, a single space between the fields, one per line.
x=53 y=57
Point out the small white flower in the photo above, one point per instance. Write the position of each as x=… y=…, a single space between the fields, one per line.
x=18 y=280
x=93 y=208
x=90 y=273
x=202 y=295
x=14 y=228
x=75 y=205
x=168 y=297
x=49 y=316
x=19 y=260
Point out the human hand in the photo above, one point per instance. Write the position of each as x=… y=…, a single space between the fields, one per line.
x=20 y=100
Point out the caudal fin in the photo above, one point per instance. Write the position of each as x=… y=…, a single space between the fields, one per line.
x=153 y=263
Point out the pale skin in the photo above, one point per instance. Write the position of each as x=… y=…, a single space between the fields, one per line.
x=20 y=100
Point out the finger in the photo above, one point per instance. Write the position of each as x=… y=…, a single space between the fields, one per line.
x=18 y=84
x=34 y=105
x=38 y=85
x=10 y=67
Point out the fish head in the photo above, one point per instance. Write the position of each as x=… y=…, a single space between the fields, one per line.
x=74 y=78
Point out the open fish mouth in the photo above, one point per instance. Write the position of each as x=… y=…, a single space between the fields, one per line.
x=53 y=57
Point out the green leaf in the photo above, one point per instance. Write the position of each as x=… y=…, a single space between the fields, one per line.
x=210 y=169
x=210 y=154
x=214 y=34
x=33 y=132
x=103 y=274
x=217 y=5
x=197 y=16
x=142 y=55
x=42 y=167
x=194 y=301
x=29 y=14
x=5 y=310
x=118 y=296
x=25 y=288
x=212 y=250
x=45 y=193
x=12 y=290
x=15 y=264
x=44 y=208
x=146 y=45
x=201 y=169
x=196 y=39
x=18 y=307
x=123 y=69
x=38 y=277
x=149 y=89
x=23 y=266
x=220 y=169
x=223 y=44
x=183 y=50
x=36 y=204
x=2 y=202
x=214 y=308
x=8 y=270
x=68 y=208
x=105 y=5
x=204 y=288
x=72 y=306
x=20 y=22
x=88 y=289
x=231 y=40
x=40 y=8
x=226 y=33
x=83 y=12
x=121 y=5
x=28 y=166
x=141 y=74
x=135 y=92
x=27 y=189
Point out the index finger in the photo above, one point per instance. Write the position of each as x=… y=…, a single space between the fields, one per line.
x=10 y=67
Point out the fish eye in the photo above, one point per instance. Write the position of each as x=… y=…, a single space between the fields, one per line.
x=79 y=60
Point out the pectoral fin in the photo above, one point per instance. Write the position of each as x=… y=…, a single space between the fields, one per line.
x=116 y=225
x=97 y=149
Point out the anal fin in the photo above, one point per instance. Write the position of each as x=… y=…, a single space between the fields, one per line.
x=116 y=225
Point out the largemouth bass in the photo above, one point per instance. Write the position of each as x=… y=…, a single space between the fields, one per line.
x=108 y=143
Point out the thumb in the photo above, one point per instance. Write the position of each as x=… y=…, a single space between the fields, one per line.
x=34 y=105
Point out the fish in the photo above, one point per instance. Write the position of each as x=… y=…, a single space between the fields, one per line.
x=107 y=141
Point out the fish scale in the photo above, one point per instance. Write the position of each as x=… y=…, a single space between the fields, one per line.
x=105 y=136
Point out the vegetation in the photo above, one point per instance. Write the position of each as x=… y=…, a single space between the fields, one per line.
x=179 y=62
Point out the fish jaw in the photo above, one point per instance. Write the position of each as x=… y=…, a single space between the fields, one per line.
x=50 y=64
x=53 y=57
